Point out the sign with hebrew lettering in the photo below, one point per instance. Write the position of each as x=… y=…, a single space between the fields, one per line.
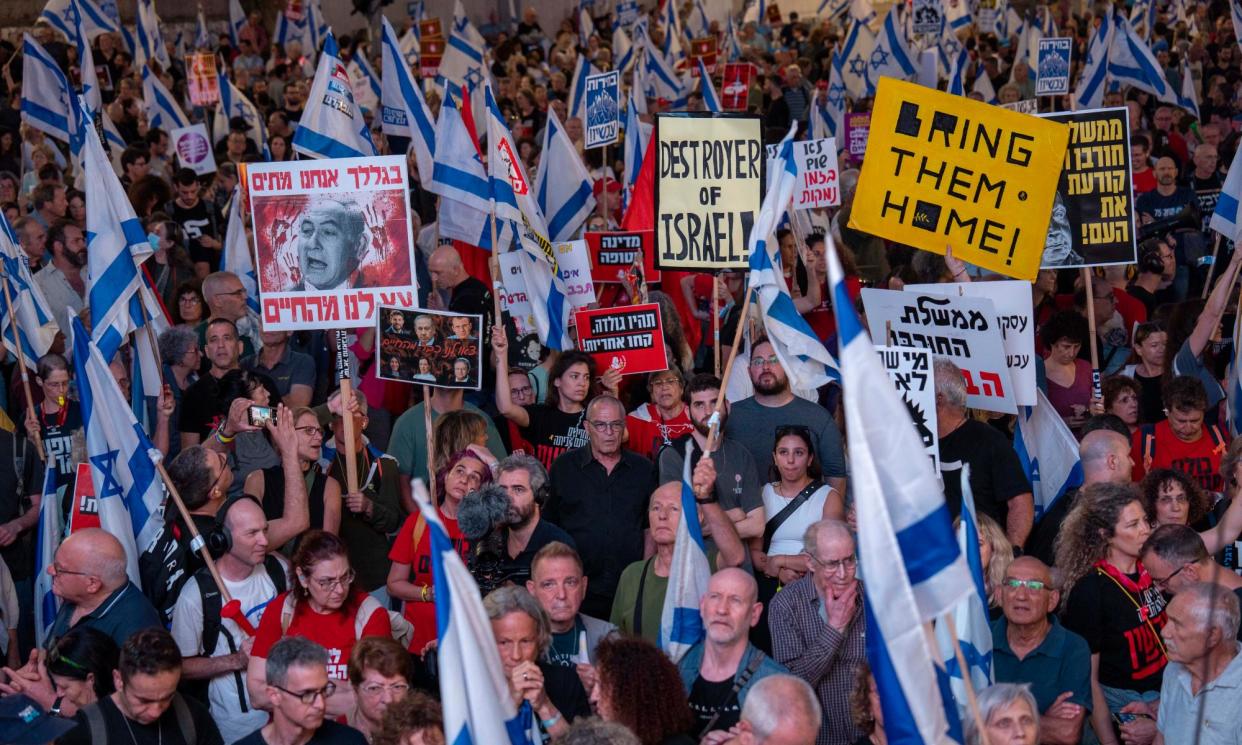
x=1052 y=67
x=928 y=17
x=629 y=339
x=573 y=263
x=818 y=182
x=1093 y=215
x=1014 y=314
x=910 y=370
x=514 y=298
x=332 y=239
x=963 y=329
x=709 y=185
x=612 y=254
x=430 y=347
x=603 y=109
x=946 y=170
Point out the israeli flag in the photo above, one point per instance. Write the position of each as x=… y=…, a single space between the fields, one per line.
x=162 y=109
x=458 y=174
x=890 y=57
x=638 y=92
x=317 y=28
x=1235 y=13
x=47 y=96
x=855 y=59
x=1188 y=98
x=47 y=540
x=803 y=356
x=957 y=14
x=970 y=616
x=86 y=68
x=711 y=101
x=1090 y=91
x=236 y=257
x=671 y=48
x=410 y=46
x=662 y=80
x=681 y=624
x=983 y=86
x=698 y=24
x=828 y=112
x=474 y=691
x=33 y=314
x=233 y=103
x=1048 y=453
x=404 y=110
x=957 y=74
x=237 y=19
x=1028 y=50
x=586 y=26
x=1143 y=17
x=1233 y=381
x=832 y=8
x=335 y=130
x=58 y=14
x=462 y=67
x=202 y=37
x=861 y=11
x=622 y=49
x=733 y=46
x=914 y=569
x=150 y=39
x=1132 y=63
x=577 y=88
x=637 y=135
x=562 y=183
x=123 y=461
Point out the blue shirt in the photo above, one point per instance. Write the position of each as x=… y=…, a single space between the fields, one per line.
x=123 y=612
x=1061 y=662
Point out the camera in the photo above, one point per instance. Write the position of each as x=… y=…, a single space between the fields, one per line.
x=259 y=416
x=482 y=516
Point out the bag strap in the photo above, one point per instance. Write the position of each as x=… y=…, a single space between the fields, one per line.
x=366 y=608
x=638 y=601
x=276 y=572
x=212 y=607
x=95 y=722
x=185 y=720
x=420 y=527
x=287 y=609
x=787 y=512
x=756 y=659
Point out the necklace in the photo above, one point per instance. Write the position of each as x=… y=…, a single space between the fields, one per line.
x=159 y=729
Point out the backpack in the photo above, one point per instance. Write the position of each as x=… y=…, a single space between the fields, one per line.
x=1148 y=440
x=402 y=629
x=167 y=565
x=181 y=710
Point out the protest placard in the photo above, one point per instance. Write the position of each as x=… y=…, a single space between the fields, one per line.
x=516 y=301
x=84 y=514
x=950 y=170
x=629 y=339
x=857 y=131
x=963 y=329
x=193 y=148
x=928 y=18
x=573 y=263
x=603 y=109
x=1025 y=106
x=735 y=85
x=201 y=78
x=709 y=184
x=430 y=28
x=430 y=347
x=1012 y=300
x=1052 y=67
x=702 y=49
x=612 y=254
x=818 y=184
x=1093 y=216
x=333 y=240
x=910 y=370
x=430 y=47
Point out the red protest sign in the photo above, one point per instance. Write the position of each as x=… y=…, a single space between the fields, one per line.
x=629 y=339
x=612 y=254
x=735 y=88
x=202 y=80
x=84 y=513
x=431 y=50
x=704 y=49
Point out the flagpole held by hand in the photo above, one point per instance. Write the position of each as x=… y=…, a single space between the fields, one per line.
x=1095 y=355
x=347 y=416
x=713 y=434
x=21 y=360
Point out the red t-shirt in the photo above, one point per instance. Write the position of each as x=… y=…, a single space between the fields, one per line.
x=820 y=318
x=649 y=431
x=422 y=615
x=1200 y=460
x=333 y=631
x=1144 y=181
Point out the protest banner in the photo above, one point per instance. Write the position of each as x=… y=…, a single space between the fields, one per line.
x=430 y=47
x=629 y=339
x=603 y=109
x=986 y=12
x=911 y=372
x=709 y=184
x=193 y=148
x=963 y=329
x=333 y=240
x=573 y=263
x=702 y=49
x=818 y=184
x=612 y=254
x=735 y=85
x=295 y=10
x=201 y=78
x=1093 y=218
x=431 y=347
x=516 y=301
x=774 y=14
x=1052 y=68
x=857 y=131
x=1014 y=315
x=84 y=512
x=950 y=170
x=1025 y=106
x=928 y=18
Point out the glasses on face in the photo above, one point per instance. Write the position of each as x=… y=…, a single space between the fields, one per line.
x=308 y=697
x=760 y=362
x=189 y=299
x=311 y=431
x=833 y=566
x=375 y=689
x=1171 y=499
x=1163 y=584
x=664 y=383
x=327 y=583
x=58 y=569
x=608 y=426
x=1033 y=585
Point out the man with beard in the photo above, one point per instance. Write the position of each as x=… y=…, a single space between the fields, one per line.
x=61 y=281
x=755 y=419
x=1168 y=198
x=1059 y=245
x=661 y=420
x=526 y=481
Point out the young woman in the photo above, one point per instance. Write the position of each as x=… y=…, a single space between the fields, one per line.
x=1150 y=342
x=1069 y=378
x=80 y=667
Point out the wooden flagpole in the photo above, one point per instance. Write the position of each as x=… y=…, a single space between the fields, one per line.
x=716 y=323
x=431 y=442
x=713 y=434
x=347 y=417
x=21 y=361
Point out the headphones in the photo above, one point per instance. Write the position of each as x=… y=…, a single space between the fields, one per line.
x=1149 y=259
x=220 y=539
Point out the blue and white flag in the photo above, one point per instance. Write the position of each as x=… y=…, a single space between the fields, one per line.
x=1233 y=381
x=367 y=89
x=562 y=182
x=622 y=49
x=862 y=11
x=1235 y=13
x=47 y=96
x=1188 y=97
x=86 y=71
x=236 y=257
x=202 y=37
x=462 y=66
x=586 y=26
x=856 y=58
x=34 y=316
x=123 y=461
x=1225 y=215
x=577 y=88
x=150 y=38
x=907 y=552
x=891 y=56
x=1143 y=18
x=832 y=8
x=970 y=617
x=635 y=143
x=733 y=46
x=957 y=15
x=233 y=103
x=698 y=25
x=458 y=173
x=1048 y=453
x=478 y=709
x=711 y=101
x=47 y=540
x=94 y=18
x=828 y=109
x=405 y=111
x=957 y=74
x=661 y=79
x=237 y=19
x=1090 y=91
x=803 y=357
x=681 y=623
x=671 y=48
x=1132 y=63
x=331 y=125
x=162 y=109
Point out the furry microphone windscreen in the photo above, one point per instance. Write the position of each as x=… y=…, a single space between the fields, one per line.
x=482 y=511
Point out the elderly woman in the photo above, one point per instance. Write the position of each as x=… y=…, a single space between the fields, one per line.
x=1173 y=498
x=1111 y=600
x=1121 y=399
x=379 y=672
x=1009 y=716
x=182 y=356
x=413 y=720
x=523 y=633
x=636 y=685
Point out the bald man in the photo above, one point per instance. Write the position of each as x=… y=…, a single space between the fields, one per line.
x=458 y=291
x=780 y=710
x=725 y=659
x=89 y=576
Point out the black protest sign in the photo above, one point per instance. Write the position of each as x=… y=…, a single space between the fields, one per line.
x=431 y=347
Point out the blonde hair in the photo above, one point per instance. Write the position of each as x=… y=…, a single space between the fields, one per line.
x=1002 y=557
x=455 y=431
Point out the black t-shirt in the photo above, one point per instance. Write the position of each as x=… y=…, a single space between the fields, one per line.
x=708 y=698
x=18 y=555
x=563 y=650
x=1112 y=621
x=163 y=731
x=198 y=221
x=329 y=733
x=517 y=569
x=1207 y=191
x=565 y=691
x=57 y=433
x=996 y=474
x=552 y=431
x=199 y=406
x=473 y=297
x=1151 y=399
x=1161 y=207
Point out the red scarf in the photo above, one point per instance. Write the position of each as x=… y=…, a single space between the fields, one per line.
x=1134 y=588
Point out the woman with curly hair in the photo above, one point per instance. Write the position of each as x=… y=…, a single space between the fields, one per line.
x=1111 y=600
x=1121 y=398
x=636 y=685
x=1173 y=498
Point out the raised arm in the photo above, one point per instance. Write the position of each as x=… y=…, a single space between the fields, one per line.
x=295 y=519
x=1217 y=303
x=504 y=398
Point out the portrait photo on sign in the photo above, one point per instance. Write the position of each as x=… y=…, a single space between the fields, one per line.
x=430 y=347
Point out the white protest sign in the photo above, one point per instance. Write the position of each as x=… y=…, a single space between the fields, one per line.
x=911 y=372
x=517 y=302
x=963 y=329
x=193 y=148
x=1012 y=299
x=818 y=185
x=573 y=262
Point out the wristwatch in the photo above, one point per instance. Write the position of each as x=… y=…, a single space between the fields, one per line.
x=55 y=710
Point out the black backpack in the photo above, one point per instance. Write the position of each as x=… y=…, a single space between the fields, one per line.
x=169 y=563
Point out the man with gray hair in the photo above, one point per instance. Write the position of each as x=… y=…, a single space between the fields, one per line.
x=526 y=482
x=818 y=627
x=89 y=576
x=999 y=485
x=781 y=710
x=298 y=689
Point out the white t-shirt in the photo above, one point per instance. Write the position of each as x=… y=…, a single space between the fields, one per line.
x=787 y=540
x=223 y=693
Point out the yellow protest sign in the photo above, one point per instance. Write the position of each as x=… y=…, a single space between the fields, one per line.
x=946 y=170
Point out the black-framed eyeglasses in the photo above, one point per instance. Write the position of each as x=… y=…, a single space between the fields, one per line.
x=308 y=697
x=615 y=426
x=1164 y=583
x=833 y=566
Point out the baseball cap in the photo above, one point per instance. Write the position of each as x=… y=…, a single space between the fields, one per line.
x=23 y=722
